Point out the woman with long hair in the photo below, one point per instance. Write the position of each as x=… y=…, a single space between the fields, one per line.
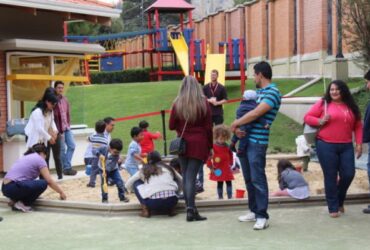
x=191 y=114
x=338 y=117
x=156 y=186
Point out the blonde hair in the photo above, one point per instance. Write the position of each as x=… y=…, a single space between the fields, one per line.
x=190 y=102
x=222 y=131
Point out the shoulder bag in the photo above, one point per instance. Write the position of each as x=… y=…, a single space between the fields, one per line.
x=178 y=145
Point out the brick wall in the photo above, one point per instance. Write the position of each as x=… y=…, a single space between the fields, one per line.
x=3 y=103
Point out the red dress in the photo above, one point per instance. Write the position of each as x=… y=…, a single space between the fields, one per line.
x=222 y=159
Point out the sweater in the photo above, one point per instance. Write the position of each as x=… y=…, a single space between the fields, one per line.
x=156 y=183
x=340 y=127
x=197 y=135
x=291 y=179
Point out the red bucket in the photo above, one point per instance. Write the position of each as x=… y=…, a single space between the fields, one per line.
x=240 y=193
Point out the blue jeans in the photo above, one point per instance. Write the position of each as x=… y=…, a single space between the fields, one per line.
x=116 y=177
x=189 y=170
x=336 y=158
x=66 y=155
x=25 y=191
x=253 y=168
x=164 y=204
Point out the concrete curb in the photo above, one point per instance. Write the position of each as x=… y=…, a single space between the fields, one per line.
x=90 y=208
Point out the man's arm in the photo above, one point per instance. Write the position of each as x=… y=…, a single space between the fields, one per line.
x=259 y=111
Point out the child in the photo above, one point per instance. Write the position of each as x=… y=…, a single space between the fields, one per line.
x=291 y=182
x=247 y=104
x=221 y=160
x=134 y=158
x=111 y=155
x=97 y=140
x=146 y=143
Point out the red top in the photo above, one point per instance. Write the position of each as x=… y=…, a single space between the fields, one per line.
x=222 y=159
x=198 y=136
x=170 y=6
x=146 y=143
x=340 y=127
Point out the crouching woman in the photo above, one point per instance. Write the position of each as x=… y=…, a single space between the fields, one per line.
x=156 y=186
x=21 y=185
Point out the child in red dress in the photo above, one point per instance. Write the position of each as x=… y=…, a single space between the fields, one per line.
x=221 y=160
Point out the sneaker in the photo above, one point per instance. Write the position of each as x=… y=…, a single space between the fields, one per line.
x=69 y=171
x=124 y=199
x=366 y=211
x=19 y=206
x=90 y=185
x=104 y=201
x=1 y=218
x=261 y=223
x=248 y=217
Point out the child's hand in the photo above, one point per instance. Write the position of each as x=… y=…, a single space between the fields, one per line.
x=120 y=160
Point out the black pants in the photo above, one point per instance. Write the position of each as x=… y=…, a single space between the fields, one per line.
x=56 y=154
x=25 y=191
x=189 y=169
x=229 y=188
x=217 y=119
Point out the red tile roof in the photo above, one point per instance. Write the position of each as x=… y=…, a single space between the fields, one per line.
x=90 y=3
x=170 y=6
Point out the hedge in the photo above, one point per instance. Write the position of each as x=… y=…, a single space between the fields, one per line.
x=129 y=75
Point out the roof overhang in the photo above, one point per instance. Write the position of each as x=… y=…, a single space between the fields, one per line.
x=52 y=5
x=50 y=46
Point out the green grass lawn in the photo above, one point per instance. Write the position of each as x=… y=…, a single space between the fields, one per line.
x=90 y=103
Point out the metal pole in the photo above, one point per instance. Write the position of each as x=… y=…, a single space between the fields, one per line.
x=163 y=114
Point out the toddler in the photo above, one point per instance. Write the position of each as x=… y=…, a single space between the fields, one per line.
x=134 y=158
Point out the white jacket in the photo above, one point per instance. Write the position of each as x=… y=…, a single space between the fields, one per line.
x=303 y=149
x=35 y=128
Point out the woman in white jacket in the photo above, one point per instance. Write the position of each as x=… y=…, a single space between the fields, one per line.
x=156 y=186
x=41 y=127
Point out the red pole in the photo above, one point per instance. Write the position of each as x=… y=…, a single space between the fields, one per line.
x=65 y=31
x=242 y=69
x=182 y=22
x=159 y=63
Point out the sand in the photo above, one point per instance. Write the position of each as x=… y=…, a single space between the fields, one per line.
x=76 y=189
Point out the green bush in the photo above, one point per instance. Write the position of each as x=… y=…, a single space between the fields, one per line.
x=129 y=75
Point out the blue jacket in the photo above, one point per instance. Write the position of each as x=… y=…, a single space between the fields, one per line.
x=366 y=129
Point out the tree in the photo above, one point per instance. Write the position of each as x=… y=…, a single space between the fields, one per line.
x=357 y=27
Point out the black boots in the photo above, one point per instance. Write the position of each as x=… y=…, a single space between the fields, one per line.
x=193 y=215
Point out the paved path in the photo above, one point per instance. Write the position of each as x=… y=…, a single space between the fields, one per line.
x=291 y=228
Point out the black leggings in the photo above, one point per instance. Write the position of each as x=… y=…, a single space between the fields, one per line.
x=229 y=189
x=189 y=169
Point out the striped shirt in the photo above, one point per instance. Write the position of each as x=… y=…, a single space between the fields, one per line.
x=272 y=97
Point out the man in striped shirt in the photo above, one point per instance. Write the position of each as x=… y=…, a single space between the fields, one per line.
x=253 y=165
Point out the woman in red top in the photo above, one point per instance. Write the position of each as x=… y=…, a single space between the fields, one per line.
x=191 y=108
x=334 y=145
x=221 y=161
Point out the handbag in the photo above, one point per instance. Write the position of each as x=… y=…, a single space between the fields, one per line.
x=310 y=132
x=16 y=126
x=178 y=145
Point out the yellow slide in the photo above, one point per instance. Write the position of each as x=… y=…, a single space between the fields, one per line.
x=218 y=62
x=182 y=51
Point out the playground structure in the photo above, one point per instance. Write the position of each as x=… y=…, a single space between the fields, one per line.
x=169 y=50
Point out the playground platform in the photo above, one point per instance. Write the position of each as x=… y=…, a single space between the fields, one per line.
x=290 y=228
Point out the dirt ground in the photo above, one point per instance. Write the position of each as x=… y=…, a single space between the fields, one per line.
x=76 y=189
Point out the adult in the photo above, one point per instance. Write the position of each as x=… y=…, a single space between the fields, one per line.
x=41 y=127
x=191 y=114
x=254 y=163
x=338 y=117
x=56 y=147
x=109 y=127
x=21 y=185
x=63 y=122
x=366 y=132
x=156 y=186
x=216 y=96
